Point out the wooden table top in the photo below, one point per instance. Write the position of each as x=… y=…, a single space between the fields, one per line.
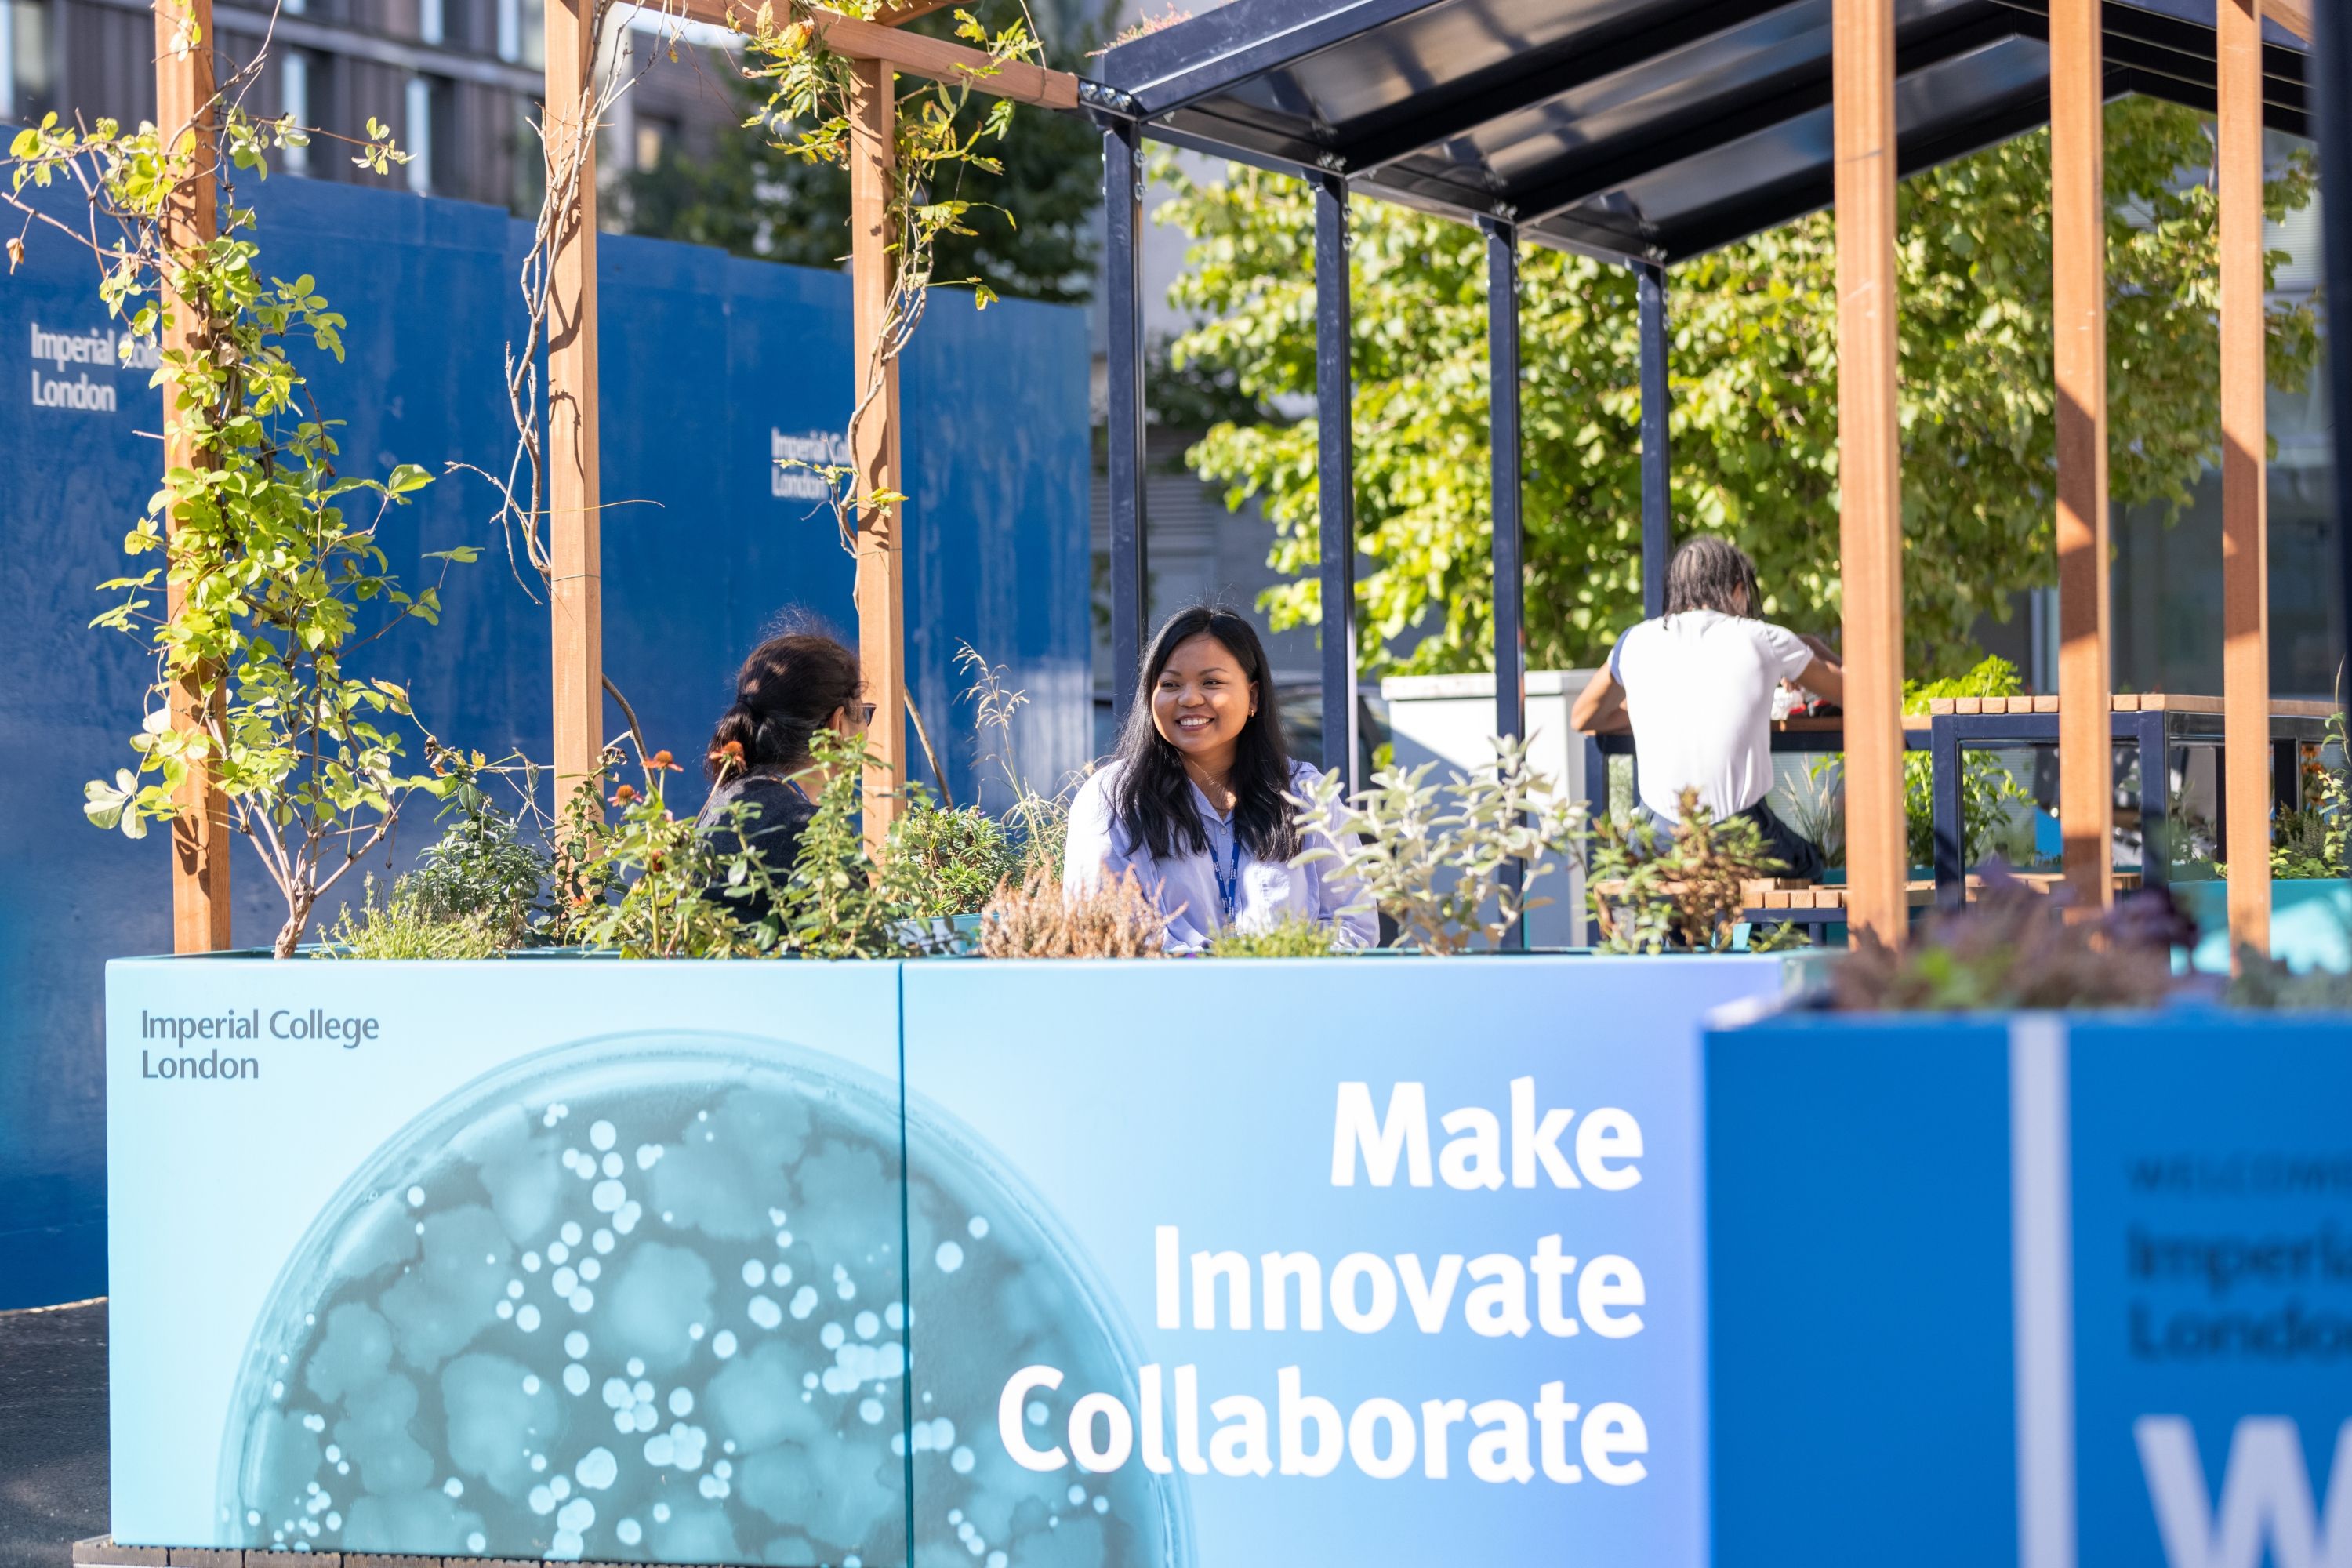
x=2128 y=703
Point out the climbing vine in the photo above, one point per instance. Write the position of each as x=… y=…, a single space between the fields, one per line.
x=811 y=113
x=271 y=575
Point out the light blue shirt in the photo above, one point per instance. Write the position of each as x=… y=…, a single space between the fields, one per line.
x=1186 y=889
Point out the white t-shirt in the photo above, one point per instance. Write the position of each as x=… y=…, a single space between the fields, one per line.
x=1699 y=689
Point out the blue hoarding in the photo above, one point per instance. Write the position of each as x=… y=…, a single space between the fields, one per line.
x=712 y=367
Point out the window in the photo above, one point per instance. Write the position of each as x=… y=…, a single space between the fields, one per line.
x=420 y=135
x=509 y=29
x=530 y=161
x=294 y=101
x=654 y=137
x=8 y=60
x=534 y=33
x=27 y=70
x=428 y=20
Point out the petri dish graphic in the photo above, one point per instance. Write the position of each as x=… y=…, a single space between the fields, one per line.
x=640 y=1298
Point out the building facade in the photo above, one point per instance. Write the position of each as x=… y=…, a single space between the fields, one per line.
x=458 y=81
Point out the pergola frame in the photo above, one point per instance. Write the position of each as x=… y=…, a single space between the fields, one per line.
x=1868 y=65
x=185 y=112
x=1248 y=63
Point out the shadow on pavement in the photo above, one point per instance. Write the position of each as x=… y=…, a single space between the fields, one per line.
x=52 y=1432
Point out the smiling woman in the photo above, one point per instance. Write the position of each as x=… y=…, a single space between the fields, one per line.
x=1194 y=803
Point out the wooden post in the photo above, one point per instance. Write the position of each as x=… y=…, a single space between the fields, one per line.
x=874 y=444
x=2078 y=232
x=2245 y=554
x=1870 y=478
x=185 y=112
x=576 y=593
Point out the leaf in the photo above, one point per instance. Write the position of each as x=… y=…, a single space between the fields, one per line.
x=464 y=554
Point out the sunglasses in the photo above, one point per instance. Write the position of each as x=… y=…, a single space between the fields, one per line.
x=866 y=719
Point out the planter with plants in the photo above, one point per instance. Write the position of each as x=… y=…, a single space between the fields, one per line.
x=2070 y=1197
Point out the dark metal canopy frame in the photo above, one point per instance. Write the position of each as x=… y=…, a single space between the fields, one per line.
x=1639 y=131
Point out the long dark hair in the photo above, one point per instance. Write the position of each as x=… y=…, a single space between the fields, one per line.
x=1153 y=797
x=789 y=688
x=1711 y=573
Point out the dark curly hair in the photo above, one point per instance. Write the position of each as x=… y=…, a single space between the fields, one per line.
x=789 y=688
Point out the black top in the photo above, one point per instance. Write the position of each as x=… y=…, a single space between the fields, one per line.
x=780 y=811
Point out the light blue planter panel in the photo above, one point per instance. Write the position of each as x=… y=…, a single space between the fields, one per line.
x=528 y=1259
x=2311 y=922
x=2093 y=1276
x=1270 y=1263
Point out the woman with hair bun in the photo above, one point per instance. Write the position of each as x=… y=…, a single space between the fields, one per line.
x=1194 y=802
x=793 y=685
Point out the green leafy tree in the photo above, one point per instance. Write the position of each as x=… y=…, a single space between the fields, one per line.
x=1754 y=379
x=755 y=197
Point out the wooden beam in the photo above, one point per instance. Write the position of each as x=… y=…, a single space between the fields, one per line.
x=576 y=592
x=1870 y=478
x=185 y=112
x=2078 y=232
x=937 y=60
x=2245 y=554
x=2294 y=16
x=908 y=10
x=874 y=445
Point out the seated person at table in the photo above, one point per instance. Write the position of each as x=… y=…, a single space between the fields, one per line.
x=793 y=685
x=1193 y=803
x=1698 y=683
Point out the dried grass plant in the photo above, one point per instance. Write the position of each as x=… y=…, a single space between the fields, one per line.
x=1037 y=919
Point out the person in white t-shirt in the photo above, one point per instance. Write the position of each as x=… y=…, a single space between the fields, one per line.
x=1698 y=684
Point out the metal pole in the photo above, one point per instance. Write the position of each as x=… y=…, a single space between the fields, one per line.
x=1657 y=476
x=1123 y=354
x=1510 y=576
x=1335 y=409
x=2329 y=71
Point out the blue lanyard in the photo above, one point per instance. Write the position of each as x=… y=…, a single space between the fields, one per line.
x=1229 y=888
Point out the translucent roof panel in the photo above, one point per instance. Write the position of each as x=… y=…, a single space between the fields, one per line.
x=1650 y=129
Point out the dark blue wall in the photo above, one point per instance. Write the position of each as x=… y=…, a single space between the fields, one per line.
x=705 y=357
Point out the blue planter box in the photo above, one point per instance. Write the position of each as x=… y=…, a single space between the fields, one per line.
x=2031 y=1289
x=1151 y=1263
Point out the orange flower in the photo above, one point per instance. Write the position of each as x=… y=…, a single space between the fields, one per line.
x=662 y=759
x=626 y=794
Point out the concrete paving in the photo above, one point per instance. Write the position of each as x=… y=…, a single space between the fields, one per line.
x=52 y=1433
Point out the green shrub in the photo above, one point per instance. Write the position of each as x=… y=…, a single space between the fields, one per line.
x=945 y=862
x=480 y=869
x=1433 y=858
x=1290 y=939
x=1988 y=792
x=1649 y=890
x=403 y=926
